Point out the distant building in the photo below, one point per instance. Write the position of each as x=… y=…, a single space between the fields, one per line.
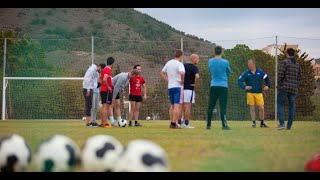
x=317 y=61
x=271 y=49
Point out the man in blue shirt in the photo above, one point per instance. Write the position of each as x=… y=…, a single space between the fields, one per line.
x=219 y=69
x=253 y=78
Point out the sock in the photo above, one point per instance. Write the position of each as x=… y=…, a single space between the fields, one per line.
x=262 y=122
x=179 y=121
x=173 y=124
x=186 y=122
x=135 y=122
x=119 y=118
x=254 y=122
x=112 y=119
x=130 y=122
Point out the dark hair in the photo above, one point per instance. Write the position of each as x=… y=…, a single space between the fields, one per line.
x=179 y=53
x=290 y=51
x=218 y=50
x=110 y=61
x=102 y=65
x=135 y=66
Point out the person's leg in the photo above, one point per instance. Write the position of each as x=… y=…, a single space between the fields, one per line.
x=259 y=101
x=253 y=115
x=280 y=103
x=103 y=109
x=94 y=109
x=175 y=107
x=291 y=98
x=117 y=109
x=132 y=103
x=181 y=114
x=250 y=102
x=223 y=99
x=88 y=105
x=136 y=113
x=211 y=104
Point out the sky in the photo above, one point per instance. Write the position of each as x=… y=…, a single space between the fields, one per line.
x=256 y=27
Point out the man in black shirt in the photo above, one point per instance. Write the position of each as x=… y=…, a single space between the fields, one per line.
x=191 y=79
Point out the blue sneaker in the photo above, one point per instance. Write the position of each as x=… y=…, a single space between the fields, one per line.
x=226 y=128
x=94 y=124
x=137 y=124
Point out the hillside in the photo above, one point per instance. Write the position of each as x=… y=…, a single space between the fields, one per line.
x=123 y=31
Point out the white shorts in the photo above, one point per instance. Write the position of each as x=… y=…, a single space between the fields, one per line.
x=189 y=96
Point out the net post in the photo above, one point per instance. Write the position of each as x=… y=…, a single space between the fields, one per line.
x=4 y=81
x=276 y=83
x=92 y=49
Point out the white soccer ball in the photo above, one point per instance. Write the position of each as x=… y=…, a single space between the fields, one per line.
x=122 y=123
x=57 y=154
x=143 y=156
x=148 y=118
x=83 y=118
x=100 y=153
x=15 y=154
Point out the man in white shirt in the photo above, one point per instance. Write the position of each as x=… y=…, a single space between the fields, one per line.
x=89 y=84
x=173 y=73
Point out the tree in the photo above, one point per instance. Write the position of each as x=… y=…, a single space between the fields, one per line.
x=304 y=105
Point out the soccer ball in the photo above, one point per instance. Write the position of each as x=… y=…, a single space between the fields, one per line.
x=83 y=118
x=57 y=154
x=143 y=156
x=122 y=123
x=100 y=153
x=15 y=154
x=148 y=118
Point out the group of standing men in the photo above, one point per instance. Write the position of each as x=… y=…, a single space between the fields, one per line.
x=182 y=82
x=98 y=79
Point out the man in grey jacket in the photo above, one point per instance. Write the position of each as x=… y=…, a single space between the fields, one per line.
x=89 y=84
x=119 y=82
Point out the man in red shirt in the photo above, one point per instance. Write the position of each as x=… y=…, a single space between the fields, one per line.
x=106 y=92
x=137 y=84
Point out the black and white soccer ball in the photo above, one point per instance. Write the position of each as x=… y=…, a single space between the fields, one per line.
x=58 y=153
x=15 y=154
x=100 y=153
x=143 y=156
x=122 y=123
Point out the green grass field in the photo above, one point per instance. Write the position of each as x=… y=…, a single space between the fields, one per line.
x=201 y=150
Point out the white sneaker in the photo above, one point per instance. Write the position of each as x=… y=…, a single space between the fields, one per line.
x=179 y=125
x=188 y=126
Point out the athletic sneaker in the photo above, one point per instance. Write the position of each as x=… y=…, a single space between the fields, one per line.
x=280 y=127
x=188 y=126
x=208 y=127
x=130 y=125
x=254 y=125
x=175 y=127
x=88 y=125
x=263 y=125
x=105 y=126
x=179 y=125
x=114 y=124
x=226 y=128
x=94 y=124
x=137 y=124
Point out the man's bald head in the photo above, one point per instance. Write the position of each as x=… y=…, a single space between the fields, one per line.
x=194 y=59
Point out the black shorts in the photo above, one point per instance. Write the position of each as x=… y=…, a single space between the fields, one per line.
x=135 y=98
x=106 y=97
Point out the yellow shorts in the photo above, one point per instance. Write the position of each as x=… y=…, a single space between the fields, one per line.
x=255 y=99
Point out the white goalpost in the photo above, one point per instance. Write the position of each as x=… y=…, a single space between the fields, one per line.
x=20 y=80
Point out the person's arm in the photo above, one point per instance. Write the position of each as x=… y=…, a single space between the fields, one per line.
x=164 y=76
x=87 y=80
x=105 y=81
x=144 y=87
x=196 y=80
x=241 y=80
x=281 y=71
x=182 y=72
